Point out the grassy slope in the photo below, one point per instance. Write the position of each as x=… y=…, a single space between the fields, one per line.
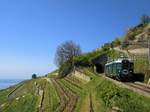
x=126 y=100
x=102 y=94
x=89 y=89
x=22 y=98
x=106 y=95
x=28 y=98
x=51 y=100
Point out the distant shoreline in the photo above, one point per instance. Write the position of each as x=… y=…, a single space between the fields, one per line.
x=6 y=83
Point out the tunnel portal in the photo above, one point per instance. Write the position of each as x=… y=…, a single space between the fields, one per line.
x=99 y=68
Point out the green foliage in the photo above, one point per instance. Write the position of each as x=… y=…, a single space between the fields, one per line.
x=140 y=65
x=34 y=76
x=82 y=60
x=65 y=69
x=113 y=54
x=28 y=97
x=114 y=96
x=85 y=60
x=4 y=93
x=115 y=43
x=106 y=47
x=51 y=100
x=104 y=95
x=53 y=74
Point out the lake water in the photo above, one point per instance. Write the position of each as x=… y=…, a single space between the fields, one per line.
x=5 y=83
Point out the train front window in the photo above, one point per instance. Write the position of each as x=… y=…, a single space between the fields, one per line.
x=125 y=65
x=119 y=66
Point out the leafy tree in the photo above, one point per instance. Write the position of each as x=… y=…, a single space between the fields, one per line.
x=34 y=76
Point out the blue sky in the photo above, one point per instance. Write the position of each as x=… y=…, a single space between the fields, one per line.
x=31 y=30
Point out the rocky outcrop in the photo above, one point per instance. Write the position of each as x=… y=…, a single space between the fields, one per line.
x=81 y=75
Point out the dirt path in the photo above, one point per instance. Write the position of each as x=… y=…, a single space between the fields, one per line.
x=48 y=79
x=41 y=95
x=91 y=104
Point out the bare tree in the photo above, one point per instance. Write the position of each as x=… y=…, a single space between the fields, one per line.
x=66 y=51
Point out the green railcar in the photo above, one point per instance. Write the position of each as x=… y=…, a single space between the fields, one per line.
x=121 y=69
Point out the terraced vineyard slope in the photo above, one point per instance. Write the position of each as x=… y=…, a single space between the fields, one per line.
x=71 y=94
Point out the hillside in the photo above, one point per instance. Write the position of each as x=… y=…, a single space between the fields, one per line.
x=137 y=49
x=50 y=94
x=134 y=46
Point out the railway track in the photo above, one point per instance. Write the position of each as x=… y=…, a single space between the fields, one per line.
x=139 y=86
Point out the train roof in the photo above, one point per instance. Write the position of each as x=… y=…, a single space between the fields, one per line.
x=118 y=61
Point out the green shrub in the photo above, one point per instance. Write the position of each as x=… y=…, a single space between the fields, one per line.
x=115 y=43
x=113 y=54
x=140 y=65
x=34 y=76
x=85 y=60
x=65 y=69
x=106 y=47
x=126 y=100
x=82 y=60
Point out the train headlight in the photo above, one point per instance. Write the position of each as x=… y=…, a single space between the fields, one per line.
x=125 y=72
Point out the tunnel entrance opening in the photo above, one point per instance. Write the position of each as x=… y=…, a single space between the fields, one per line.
x=99 y=68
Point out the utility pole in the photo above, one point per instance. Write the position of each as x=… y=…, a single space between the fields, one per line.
x=148 y=36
